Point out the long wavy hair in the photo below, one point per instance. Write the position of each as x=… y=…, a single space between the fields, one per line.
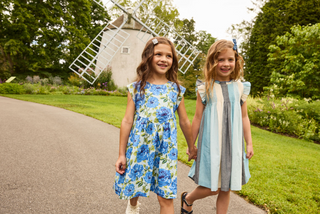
x=212 y=62
x=145 y=71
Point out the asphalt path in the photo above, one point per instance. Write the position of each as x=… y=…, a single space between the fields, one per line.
x=57 y=161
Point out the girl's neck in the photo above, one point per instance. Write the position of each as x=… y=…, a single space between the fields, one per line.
x=157 y=80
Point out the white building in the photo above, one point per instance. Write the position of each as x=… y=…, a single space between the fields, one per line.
x=127 y=59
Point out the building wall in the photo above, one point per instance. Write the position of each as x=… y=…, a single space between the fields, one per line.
x=123 y=64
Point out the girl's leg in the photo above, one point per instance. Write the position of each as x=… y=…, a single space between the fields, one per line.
x=198 y=193
x=134 y=201
x=223 y=202
x=166 y=205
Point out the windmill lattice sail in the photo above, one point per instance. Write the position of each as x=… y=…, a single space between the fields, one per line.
x=99 y=53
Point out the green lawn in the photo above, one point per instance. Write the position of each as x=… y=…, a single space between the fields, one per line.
x=285 y=171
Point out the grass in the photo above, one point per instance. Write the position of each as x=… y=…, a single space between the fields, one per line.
x=285 y=171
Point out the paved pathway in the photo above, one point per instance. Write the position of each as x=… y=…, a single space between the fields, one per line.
x=57 y=161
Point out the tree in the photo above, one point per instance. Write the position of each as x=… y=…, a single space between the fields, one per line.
x=202 y=41
x=43 y=37
x=295 y=63
x=276 y=18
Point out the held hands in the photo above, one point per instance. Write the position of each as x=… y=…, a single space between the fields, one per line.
x=121 y=165
x=192 y=153
x=249 y=151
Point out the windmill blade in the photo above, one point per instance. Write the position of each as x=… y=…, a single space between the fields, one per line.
x=155 y=26
x=98 y=54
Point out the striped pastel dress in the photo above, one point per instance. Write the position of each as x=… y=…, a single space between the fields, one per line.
x=221 y=159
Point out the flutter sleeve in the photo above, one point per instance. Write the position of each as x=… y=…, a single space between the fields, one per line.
x=201 y=88
x=246 y=92
x=130 y=89
x=180 y=96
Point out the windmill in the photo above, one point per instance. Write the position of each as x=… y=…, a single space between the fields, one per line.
x=98 y=54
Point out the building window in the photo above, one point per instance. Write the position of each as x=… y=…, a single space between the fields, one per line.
x=125 y=50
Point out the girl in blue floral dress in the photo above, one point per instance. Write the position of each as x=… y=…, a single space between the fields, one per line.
x=148 y=136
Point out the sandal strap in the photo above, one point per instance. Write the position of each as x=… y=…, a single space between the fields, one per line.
x=184 y=200
x=185 y=211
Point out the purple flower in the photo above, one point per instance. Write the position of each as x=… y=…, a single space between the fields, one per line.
x=166 y=131
x=152 y=102
x=117 y=189
x=158 y=89
x=173 y=186
x=142 y=153
x=173 y=96
x=136 y=171
x=128 y=153
x=173 y=155
x=138 y=194
x=148 y=177
x=129 y=190
x=150 y=128
x=159 y=192
x=164 y=147
x=164 y=177
x=163 y=114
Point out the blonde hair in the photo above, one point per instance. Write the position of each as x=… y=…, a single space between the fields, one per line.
x=144 y=70
x=212 y=62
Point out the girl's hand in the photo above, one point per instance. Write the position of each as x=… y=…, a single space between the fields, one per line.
x=249 y=151
x=121 y=165
x=192 y=153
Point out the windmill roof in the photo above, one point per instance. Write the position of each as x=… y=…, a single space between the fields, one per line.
x=133 y=25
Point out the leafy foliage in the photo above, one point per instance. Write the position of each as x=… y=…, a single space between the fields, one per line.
x=286 y=115
x=295 y=63
x=43 y=38
x=276 y=18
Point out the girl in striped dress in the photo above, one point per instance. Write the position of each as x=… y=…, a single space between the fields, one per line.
x=222 y=123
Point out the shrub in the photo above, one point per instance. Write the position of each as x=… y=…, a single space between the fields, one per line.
x=11 y=88
x=284 y=116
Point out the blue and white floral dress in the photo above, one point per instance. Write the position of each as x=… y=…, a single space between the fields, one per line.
x=152 y=146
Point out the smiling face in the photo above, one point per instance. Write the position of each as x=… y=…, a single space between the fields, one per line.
x=162 y=59
x=226 y=64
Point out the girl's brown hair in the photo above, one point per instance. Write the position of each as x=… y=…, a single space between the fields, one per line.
x=144 y=70
x=212 y=62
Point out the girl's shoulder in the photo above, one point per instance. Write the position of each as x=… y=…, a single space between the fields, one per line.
x=174 y=86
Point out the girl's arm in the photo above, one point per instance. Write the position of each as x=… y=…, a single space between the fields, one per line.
x=197 y=118
x=247 y=130
x=186 y=129
x=125 y=129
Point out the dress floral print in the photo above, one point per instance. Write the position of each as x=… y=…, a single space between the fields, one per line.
x=152 y=146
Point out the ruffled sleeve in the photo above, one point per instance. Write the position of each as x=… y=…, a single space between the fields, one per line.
x=180 y=96
x=130 y=89
x=201 y=88
x=246 y=91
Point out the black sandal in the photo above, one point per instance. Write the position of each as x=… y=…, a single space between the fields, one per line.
x=183 y=200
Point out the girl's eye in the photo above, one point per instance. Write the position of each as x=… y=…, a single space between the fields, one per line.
x=169 y=56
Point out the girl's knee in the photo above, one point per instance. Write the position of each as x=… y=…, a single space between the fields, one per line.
x=215 y=192
x=165 y=202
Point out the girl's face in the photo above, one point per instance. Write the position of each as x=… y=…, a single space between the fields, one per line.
x=162 y=59
x=226 y=65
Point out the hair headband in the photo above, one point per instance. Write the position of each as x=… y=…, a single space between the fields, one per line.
x=235 y=47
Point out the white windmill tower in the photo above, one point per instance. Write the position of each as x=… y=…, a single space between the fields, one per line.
x=104 y=47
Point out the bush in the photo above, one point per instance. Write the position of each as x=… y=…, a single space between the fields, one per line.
x=287 y=116
x=11 y=88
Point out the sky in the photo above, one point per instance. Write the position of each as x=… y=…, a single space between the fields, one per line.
x=215 y=16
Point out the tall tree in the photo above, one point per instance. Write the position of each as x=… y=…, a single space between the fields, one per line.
x=43 y=37
x=276 y=18
x=298 y=54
